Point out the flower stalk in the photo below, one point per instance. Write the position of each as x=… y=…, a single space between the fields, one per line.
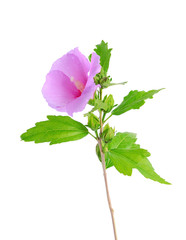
x=104 y=170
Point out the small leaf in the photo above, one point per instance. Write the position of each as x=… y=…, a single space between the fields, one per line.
x=89 y=57
x=125 y=155
x=56 y=129
x=115 y=84
x=134 y=100
x=105 y=53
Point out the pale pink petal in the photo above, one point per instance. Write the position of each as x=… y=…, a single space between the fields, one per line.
x=95 y=66
x=73 y=65
x=71 y=72
x=84 y=61
x=58 y=90
x=78 y=104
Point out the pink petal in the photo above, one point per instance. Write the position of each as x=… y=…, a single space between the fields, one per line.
x=95 y=66
x=84 y=61
x=78 y=104
x=58 y=90
x=73 y=64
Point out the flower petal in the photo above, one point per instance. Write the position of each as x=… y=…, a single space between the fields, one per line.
x=58 y=90
x=78 y=104
x=95 y=66
x=73 y=64
x=84 y=61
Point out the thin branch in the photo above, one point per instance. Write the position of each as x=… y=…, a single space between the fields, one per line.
x=108 y=118
x=106 y=186
x=114 y=84
x=92 y=135
x=96 y=132
x=104 y=169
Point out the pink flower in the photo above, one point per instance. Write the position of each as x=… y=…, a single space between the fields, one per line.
x=69 y=84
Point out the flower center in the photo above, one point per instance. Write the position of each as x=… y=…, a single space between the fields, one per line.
x=79 y=85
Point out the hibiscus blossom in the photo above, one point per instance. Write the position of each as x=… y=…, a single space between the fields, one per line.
x=70 y=83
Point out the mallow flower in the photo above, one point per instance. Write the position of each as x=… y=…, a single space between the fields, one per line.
x=70 y=83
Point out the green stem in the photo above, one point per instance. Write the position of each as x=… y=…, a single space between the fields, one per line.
x=92 y=135
x=100 y=112
x=96 y=132
x=104 y=114
x=108 y=118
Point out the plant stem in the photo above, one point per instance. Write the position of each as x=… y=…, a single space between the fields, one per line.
x=96 y=132
x=108 y=118
x=92 y=135
x=104 y=171
x=106 y=186
x=103 y=119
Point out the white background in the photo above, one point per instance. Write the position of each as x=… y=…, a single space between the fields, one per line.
x=57 y=192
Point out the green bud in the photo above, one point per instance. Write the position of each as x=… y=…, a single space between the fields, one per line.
x=110 y=103
x=93 y=122
x=108 y=133
x=102 y=79
x=106 y=82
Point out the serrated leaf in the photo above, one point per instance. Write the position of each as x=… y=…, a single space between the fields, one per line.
x=125 y=155
x=105 y=53
x=134 y=100
x=56 y=129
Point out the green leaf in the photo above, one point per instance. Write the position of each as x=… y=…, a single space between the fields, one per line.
x=56 y=129
x=125 y=155
x=134 y=100
x=89 y=57
x=116 y=84
x=105 y=53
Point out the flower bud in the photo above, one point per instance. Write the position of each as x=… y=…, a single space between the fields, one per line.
x=108 y=133
x=110 y=103
x=93 y=122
